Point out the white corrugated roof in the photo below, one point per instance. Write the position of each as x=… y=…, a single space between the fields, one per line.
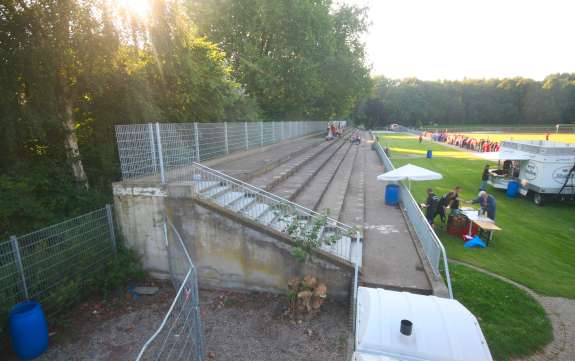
x=505 y=154
x=443 y=329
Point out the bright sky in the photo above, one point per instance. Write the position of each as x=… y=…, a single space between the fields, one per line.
x=453 y=39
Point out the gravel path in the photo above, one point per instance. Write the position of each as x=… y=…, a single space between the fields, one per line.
x=561 y=312
x=237 y=326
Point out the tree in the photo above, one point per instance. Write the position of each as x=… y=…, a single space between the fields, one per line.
x=488 y=101
x=296 y=57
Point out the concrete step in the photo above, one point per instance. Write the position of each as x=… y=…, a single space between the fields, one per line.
x=332 y=201
x=268 y=217
x=291 y=186
x=276 y=175
x=256 y=210
x=242 y=203
x=226 y=198
x=215 y=191
x=251 y=163
x=203 y=185
x=315 y=189
x=282 y=222
x=353 y=208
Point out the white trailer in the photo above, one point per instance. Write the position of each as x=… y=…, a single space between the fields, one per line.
x=544 y=168
x=402 y=326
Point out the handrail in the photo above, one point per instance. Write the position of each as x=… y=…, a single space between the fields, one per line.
x=422 y=220
x=272 y=196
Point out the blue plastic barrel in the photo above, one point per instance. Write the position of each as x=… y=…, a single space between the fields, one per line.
x=392 y=194
x=28 y=330
x=512 y=189
x=429 y=153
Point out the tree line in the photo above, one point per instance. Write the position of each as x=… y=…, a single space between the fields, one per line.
x=510 y=101
x=72 y=69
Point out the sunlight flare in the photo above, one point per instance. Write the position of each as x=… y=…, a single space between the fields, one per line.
x=140 y=9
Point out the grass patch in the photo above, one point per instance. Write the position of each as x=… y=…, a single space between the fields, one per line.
x=535 y=247
x=514 y=324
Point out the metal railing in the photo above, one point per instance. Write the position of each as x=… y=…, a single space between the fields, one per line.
x=151 y=151
x=431 y=244
x=252 y=202
x=179 y=336
x=51 y=265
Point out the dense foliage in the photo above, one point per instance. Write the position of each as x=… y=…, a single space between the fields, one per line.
x=71 y=69
x=480 y=102
x=297 y=57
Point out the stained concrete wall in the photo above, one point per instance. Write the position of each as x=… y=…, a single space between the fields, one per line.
x=139 y=215
x=228 y=251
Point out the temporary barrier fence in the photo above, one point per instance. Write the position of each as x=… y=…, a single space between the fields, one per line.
x=179 y=336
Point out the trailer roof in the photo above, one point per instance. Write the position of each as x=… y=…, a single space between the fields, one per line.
x=443 y=329
x=544 y=147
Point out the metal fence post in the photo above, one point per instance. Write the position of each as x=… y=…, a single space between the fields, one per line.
x=261 y=134
x=246 y=132
x=110 y=218
x=152 y=147
x=274 y=132
x=197 y=140
x=16 y=250
x=226 y=137
x=160 y=154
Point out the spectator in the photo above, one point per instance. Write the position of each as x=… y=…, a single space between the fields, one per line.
x=484 y=178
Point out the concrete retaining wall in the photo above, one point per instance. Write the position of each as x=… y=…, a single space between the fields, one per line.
x=228 y=251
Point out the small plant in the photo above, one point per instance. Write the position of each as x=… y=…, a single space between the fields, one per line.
x=305 y=295
x=306 y=231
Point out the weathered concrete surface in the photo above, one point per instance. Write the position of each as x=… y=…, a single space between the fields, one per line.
x=312 y=191
x=229 y=252
x=248 y=164
x=335 y=191
x=139 y=214
x=391 y=259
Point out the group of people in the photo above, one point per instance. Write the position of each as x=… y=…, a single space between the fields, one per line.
x=464 y=141
x=435 y=205
x=334 y=130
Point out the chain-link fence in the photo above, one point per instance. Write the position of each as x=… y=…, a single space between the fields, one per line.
x=50 y=265
x=154 y=152
x=179 y=336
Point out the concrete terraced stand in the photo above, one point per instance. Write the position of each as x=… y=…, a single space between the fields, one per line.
x=231 y=251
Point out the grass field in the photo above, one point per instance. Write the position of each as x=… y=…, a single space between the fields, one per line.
x=513 y=323
x=536 y=246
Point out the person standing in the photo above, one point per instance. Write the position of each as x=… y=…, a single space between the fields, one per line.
x=484 y=178
x=448 y=200
x=431 y=205
x=420 y=139
x=487 y=203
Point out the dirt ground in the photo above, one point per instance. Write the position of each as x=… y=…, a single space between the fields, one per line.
x=237 y=326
